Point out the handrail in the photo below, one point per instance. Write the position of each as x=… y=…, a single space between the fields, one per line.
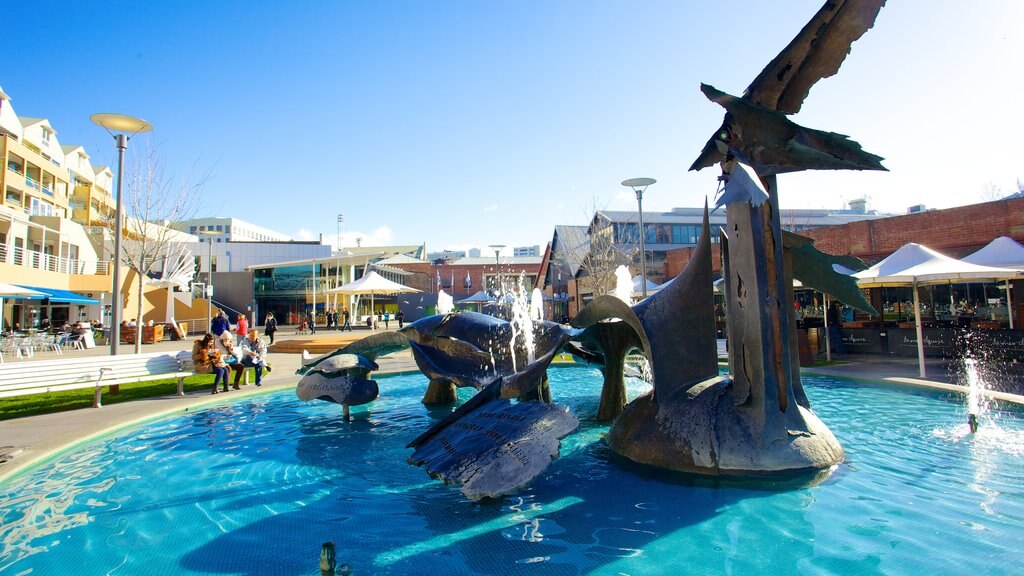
x=223 y=306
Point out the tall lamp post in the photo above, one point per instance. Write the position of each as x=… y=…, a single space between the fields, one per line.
x=639 y=185
x=497 y=270
x=122 y=128
x=209 y=274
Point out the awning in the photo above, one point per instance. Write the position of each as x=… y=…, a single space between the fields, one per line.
x=58 y=296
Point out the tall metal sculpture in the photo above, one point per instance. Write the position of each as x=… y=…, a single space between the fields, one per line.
x=755 y=422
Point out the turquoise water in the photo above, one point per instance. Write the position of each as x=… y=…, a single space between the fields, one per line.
x=255 y=487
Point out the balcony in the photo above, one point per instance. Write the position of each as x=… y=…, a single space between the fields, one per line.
x=31 y=183
x=16 y=168
x=41 y=261
x=48 y=190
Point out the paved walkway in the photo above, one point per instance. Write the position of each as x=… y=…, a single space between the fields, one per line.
x=26 y=441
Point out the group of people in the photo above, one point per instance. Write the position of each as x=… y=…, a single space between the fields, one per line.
x=335 y=320
x=219 y=353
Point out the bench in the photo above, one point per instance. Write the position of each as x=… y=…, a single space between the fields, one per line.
x=44 y=376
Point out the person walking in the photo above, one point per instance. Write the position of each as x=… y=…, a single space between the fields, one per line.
x=337 y=317
x=241 y=329
x=310 y=322
x=219 y=324
x=329 y=320
x=386 y=317
x=348 y=324
x=206 y=360
x=270 y=326
x=254 y=354
x=401 y=319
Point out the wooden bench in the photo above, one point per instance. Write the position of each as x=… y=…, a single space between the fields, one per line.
x=43 y=376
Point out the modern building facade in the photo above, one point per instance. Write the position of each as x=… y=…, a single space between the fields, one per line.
x=227 y=229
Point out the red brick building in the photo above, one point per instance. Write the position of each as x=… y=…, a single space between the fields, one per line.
x=955 y=232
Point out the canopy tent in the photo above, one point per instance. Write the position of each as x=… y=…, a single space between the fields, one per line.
x=914 y=265
x=479 y=299
x=638 y=286
x=372 y=283
x=1003 y=252
x=57 y=295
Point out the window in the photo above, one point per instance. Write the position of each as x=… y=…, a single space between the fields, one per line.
x=46 y=136
x=40 y=208
x=191 y=229
x=220 y=228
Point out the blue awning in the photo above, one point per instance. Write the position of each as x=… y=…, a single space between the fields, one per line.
x=58 y=296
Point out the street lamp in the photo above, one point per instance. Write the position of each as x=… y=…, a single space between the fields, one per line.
x=639 y=185
x=497 y=270
x=209 y=275
x=122 y=128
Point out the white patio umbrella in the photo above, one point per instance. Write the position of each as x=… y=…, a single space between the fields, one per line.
x=9 y=291
x=1003 y=252
x=372 y=283
x=914 y=265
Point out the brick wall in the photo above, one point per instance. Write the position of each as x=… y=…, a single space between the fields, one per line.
x=955 y=232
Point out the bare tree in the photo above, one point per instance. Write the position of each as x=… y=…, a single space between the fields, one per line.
x=991 y=192
x=153 y=201
x=600 y=254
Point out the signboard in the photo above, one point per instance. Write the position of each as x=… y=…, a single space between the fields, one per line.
x=863 y=341
x=937 y=341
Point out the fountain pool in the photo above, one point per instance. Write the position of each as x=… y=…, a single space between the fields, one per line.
x=255 y=487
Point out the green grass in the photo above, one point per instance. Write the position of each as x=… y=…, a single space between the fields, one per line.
x=33 y=404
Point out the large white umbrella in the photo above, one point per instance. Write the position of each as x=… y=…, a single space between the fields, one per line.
x=914 y=265
x=1003 y=252
x=372 y=283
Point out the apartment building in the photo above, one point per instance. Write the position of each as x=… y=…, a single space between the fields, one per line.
x=54 y=211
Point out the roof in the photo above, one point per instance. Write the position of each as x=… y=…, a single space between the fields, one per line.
x=401 y=259
x=26 y=122
x=1002 y=252
x=67 y=148
x=789 y=217
x=502 y=260
x=391 y=269
x=917 y=264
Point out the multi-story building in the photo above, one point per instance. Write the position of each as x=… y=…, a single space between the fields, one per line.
x=54 y=236
x=527 y=251
x=92 y=202
x=227 y=229
x=680 y=228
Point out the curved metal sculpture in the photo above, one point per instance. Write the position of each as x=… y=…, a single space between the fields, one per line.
x=756 y=421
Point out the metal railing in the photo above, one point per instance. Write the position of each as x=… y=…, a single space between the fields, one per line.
x=41 y=261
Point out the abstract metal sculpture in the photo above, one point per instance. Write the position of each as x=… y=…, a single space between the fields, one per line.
x=755 y=422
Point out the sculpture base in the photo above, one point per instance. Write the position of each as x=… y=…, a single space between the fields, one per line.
x=701 y=430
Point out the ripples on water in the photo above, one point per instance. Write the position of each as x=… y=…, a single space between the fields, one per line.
x=255 y=487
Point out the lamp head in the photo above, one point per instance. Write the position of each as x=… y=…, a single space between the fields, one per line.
x=121 y=123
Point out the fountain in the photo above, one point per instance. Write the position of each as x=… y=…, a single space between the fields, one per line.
x=755 y=422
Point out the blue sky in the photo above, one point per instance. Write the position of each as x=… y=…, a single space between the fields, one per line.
x=464 y=124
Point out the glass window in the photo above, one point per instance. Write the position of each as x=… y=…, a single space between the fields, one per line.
x=220 y=228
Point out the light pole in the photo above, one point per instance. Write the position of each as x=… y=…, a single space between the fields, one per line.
x=497 y=270
x=122 y=128
x=639 y=185
x=209 y=275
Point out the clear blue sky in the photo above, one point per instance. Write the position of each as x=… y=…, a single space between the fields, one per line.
x=464 y=124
